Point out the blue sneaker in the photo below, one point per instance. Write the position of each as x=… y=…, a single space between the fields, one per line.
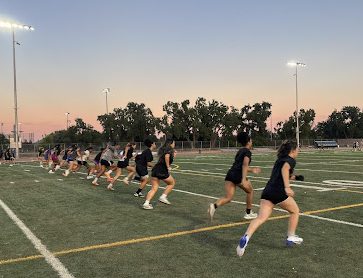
x=242 y=245
x=293 y=240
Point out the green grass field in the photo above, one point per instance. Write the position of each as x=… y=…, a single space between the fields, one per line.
x=99 y=233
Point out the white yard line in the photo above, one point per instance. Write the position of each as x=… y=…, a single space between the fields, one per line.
x=48 y=256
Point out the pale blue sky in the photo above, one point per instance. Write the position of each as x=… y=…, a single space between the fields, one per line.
x=158 y=50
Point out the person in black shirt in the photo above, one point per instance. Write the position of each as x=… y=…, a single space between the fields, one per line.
x=161 y=172
x=123 y=163
x=142 y=161
x=278 y=191
x=237 y=176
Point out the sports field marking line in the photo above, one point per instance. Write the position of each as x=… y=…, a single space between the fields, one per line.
x=46 y=254
x=182 y=233
x=270 y=167
x=257 y=178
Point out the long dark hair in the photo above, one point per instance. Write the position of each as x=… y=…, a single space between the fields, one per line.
x=286 y=147
x=166 y=148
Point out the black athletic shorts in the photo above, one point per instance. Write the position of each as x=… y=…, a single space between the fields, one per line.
x=141 y=171
x=106 y=163
x=159 y=171
x=234 y=177
x=83 y=163
x=273 y=195
x=122 y=164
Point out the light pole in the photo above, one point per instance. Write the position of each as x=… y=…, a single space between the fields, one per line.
x=14 y=26
x=67 y=124
x=296 y=65
x=106 y=91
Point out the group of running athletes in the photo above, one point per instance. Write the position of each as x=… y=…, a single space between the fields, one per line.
x=276 y=192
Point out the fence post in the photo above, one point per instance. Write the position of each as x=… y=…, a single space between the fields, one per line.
x=219 y=144
x=228 y=144
x=210 y=145
x=182 y=147
x=201 y=144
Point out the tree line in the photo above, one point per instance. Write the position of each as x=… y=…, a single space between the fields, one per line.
x=206 y=120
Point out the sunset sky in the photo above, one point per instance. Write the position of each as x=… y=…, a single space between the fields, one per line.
x=152 y=51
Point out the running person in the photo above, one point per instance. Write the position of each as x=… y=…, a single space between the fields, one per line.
x=278 y=192
x=40 y=156
x=72 y=154
x=237 y=176
x=97 y=162
x=82 y=160
x=142 y=161
x=161 y=172
x=54 y=155
x=106 y=161
x=123 y=163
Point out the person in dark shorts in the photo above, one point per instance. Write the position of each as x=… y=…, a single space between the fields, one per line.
x=143 y=161
x=161 y=171
x=40 y=156
x=106 y=161
x=124 y=163
x=278 y=192
x=72 y=154
x=237 y=176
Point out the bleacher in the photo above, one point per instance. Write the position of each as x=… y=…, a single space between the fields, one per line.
x=325 y=144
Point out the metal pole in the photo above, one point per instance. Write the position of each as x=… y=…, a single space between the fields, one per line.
x=67 y=120
x=16 y=133
x=297 y=111
x=106 y=102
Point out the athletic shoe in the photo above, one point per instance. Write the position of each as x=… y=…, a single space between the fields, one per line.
x=110 y=187
x=126 y=181
x=251 y=215
x=147 y=206
x=242 y=246
x=292 y=240
x=41 y=166
x=66 y=173
x=164 y=200
x=95 y=183
x=51 y=172
x=211 y=211
x=139 y=195
x=89 y=177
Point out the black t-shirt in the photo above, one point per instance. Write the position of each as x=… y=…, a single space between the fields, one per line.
x=145 y=157
x=162 y=158
x=98 y=156
x=238 y=160
x=276 y=181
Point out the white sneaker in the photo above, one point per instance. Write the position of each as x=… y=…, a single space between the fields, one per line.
x=41 y=166
x=89 y=177
x=51 y=172
x=126 y=181
x=211 y=211
x=95 y=183
x=110 y=187
x=251 y=215
x=139 y=195
x=164 y=200
x=66 y=173
x=147 y=206
x=292 y=240
x=241 y=247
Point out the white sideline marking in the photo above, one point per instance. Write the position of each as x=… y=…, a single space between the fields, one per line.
x=238 y=202
x=277 y=209
x=48 y=256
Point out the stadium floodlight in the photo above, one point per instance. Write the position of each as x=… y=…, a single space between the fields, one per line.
x=13 y=26
x=296 y=65
x=67 y=115
x=106 y=91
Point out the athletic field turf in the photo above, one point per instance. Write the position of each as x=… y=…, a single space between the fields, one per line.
x=91 y=232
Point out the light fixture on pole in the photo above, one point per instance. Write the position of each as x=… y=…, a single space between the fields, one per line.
x=67 y=124
x=296 y=65
x=14 y=26
x=106 y=91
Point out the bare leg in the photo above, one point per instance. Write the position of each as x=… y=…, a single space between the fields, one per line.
x=290 y=205
x=170 y=181
x=263 y=214
x=230 y=189
x=249 y=197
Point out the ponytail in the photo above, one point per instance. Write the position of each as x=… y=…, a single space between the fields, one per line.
x=286 y=147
